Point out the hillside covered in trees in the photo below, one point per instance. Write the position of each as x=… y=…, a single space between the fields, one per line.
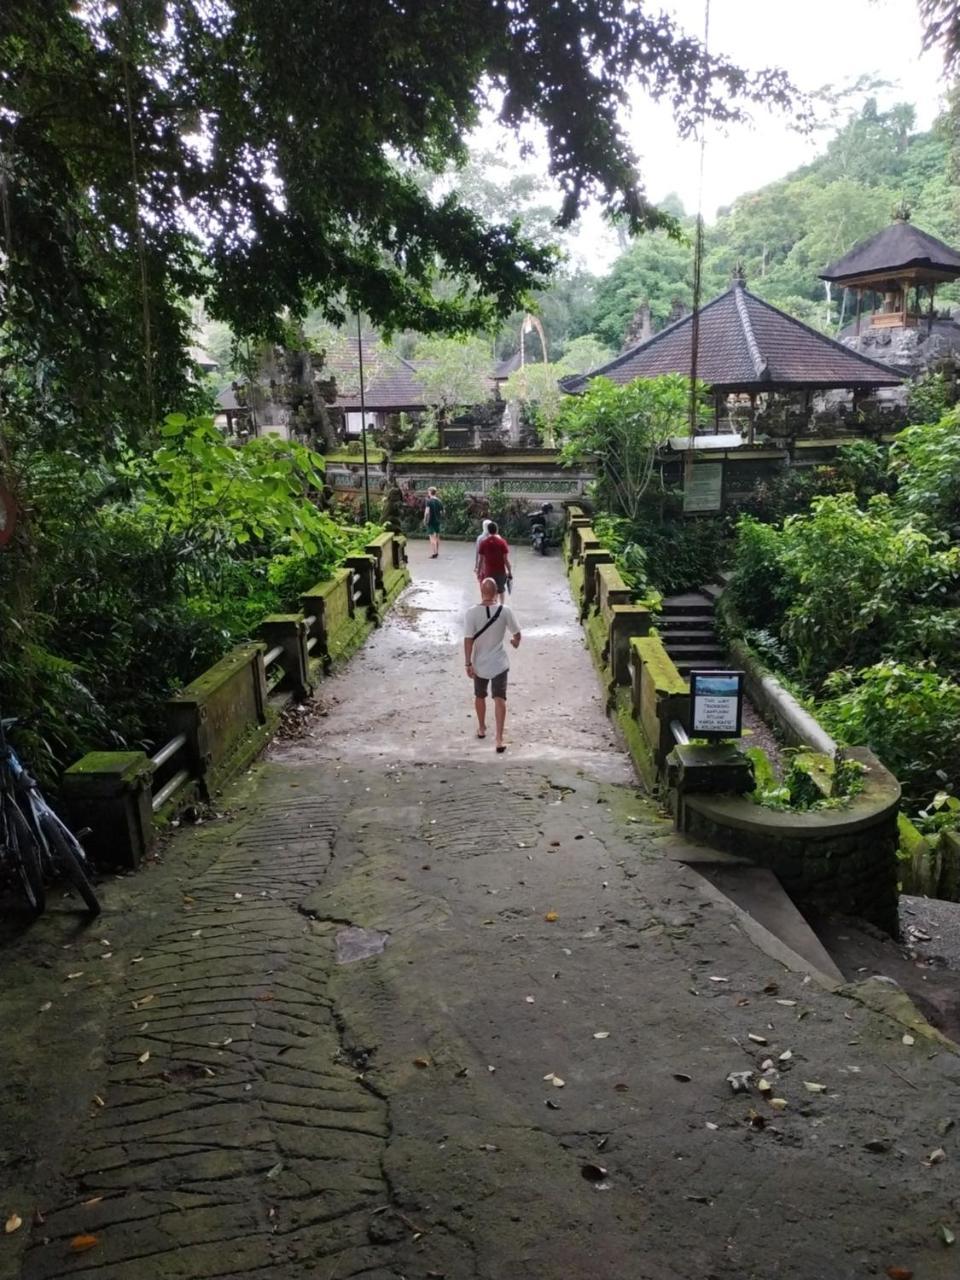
x=783 y=233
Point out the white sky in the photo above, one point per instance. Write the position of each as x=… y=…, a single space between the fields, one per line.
x=818 y=42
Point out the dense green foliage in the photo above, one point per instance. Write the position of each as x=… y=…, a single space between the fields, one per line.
x=859 y=601
x=619 y=428
x=787 y=232
x=123 y=583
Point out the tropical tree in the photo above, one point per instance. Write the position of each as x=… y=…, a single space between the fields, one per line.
x=151 y=152
x=455 y=373
x=619 y=429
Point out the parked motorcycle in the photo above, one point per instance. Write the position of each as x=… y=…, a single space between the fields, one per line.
x=538 y=527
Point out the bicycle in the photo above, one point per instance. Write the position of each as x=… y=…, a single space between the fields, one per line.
x=33 y=839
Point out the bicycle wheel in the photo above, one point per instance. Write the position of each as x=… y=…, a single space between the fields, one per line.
x=26 y=857
x=69 y=861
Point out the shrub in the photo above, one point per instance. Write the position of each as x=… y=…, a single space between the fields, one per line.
x=909 y=716
x=849 y=577
x=925 y=461
x=756 y=585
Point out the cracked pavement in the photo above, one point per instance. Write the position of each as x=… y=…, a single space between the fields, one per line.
x=529 y=1081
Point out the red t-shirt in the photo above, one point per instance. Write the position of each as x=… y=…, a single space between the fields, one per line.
x=493 y=556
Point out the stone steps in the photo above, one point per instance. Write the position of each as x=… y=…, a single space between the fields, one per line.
x=687 y=630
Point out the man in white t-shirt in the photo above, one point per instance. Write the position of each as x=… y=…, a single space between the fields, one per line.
x=485 y=628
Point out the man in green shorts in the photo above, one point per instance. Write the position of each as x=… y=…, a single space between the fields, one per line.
x=485 y=628
x=432 y=515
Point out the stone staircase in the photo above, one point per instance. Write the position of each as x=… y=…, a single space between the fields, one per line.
x=687 y=630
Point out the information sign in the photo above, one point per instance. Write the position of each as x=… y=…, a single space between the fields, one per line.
x=703 y=487
x=716 y=704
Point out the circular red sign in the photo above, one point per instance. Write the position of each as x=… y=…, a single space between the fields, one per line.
x=8 y=515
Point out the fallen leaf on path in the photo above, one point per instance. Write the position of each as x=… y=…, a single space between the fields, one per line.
x=771 y=989
x=765 y=1086
x=88 y=1204
x=711 y=1125
x=907 y=1039
x=788 y=1003
x=756 y=1039
x=138 y=1004
x=946 y=1235
x=779 y=1104
x=682 y=1077
x=555 y=1080
x=551 y=917
x=757 y=1121
x=739 y=1081
x=554 y=1106
x=47 y=1004
x=529 y=1000
x=811 y=1086
x=621 y=1088
x=899 y=1273
x=276 y=1170
x=421 y=1062
x=144 y=1057
x=137 y=960
x=81 y=1243
x=78 y=974
x=98 y=1101
x=714 y=978
x=785 y=1056
x=601 y=1035
x=12 y=1224
x=37 y=1218
x=593 y=1172
x=935 y=1157
x=267 y=995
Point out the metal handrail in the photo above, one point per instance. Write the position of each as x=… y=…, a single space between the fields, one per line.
x=680 y=734
x=171 y=749
x=168 y=789
x=275 y=653
x=312 y=642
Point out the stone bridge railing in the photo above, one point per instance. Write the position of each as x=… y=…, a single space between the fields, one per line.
x=220 y=721
x=832 y=859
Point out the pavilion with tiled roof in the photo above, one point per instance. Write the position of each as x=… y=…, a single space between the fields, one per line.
x=897 y=260
x=746 y=346
x=390 y=383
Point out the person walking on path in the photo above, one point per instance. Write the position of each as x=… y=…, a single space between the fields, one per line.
x=485 y=628
x=432 y=515
x=478 y=566
x=494 y=553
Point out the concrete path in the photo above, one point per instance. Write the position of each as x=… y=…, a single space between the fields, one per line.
x=525 y=1078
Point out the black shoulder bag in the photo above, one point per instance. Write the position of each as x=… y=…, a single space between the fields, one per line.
x=489 y=623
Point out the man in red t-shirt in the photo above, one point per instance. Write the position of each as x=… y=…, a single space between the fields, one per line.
x=495 y=561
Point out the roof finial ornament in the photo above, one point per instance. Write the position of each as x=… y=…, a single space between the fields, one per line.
x=738 y=276
x=902 y=210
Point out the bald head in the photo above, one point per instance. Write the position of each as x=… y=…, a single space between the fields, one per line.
x=488 y=589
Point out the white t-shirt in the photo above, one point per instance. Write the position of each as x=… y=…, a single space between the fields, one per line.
x=489 y=655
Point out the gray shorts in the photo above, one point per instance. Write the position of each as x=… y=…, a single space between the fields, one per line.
x=499 y=689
